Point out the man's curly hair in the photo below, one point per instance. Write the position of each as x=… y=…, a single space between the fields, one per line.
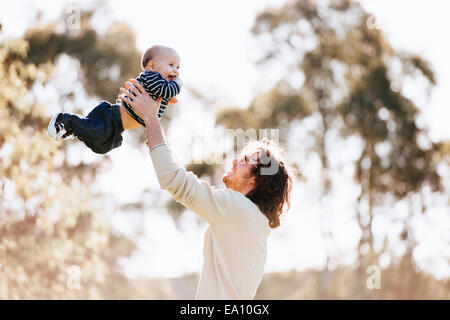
x=273 y=180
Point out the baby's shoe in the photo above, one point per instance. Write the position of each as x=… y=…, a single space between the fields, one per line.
x=56 y=129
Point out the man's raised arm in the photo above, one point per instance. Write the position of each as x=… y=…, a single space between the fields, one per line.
x=186 y=188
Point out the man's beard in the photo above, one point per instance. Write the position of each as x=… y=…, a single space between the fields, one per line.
x=226 y=180
x=232 y=182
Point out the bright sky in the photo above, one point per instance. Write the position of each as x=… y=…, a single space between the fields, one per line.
x=217 y=53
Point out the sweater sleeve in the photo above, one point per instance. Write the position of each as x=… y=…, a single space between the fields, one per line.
x=156 y=85
x=186 y=188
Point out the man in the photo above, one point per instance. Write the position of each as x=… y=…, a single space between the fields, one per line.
x=239 y=217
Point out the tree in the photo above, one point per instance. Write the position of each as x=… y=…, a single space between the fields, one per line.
x=351 y=83
x=55 y=241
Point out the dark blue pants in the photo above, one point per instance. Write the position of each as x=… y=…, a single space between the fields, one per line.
x=101 y=130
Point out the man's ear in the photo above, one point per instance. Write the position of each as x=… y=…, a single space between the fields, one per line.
x=253 y=180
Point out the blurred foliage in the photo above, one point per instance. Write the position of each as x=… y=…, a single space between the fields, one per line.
x=395 y=283
x=54 y=241
x=351 y=79
x=352 y=82
x=106 y=60
x=399 y=281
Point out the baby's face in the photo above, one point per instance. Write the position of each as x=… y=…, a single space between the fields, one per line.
x=166 y=63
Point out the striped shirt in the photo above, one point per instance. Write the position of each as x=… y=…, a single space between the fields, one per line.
x=156 y=86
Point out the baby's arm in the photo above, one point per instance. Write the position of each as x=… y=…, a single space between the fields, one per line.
x=155 y=84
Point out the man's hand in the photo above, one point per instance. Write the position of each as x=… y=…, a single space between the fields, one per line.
x=141 y=103
x=147 y=109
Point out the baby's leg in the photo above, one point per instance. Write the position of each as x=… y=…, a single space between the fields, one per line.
x=101 y=130
x=128 y=122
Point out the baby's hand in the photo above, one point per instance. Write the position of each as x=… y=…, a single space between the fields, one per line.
x=173 y=100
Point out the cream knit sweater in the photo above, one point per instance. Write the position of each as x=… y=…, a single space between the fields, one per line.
x=234 y=249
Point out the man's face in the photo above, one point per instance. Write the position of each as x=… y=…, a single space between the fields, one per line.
x=240 y=177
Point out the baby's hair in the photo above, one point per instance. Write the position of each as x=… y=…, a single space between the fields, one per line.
x=151 y=53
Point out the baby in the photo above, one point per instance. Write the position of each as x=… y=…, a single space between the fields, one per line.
x=102 y=129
